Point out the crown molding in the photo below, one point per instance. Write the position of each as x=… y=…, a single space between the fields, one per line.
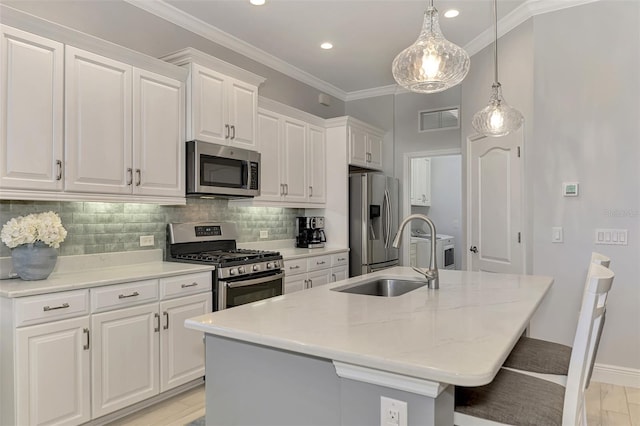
x=526 y=10
x=176 y=16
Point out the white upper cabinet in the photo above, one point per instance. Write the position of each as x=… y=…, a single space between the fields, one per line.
x=98 y=123
x=420 y=181
x=222 y=100
x=316 y=164
x=31 y=144
x=293 y=157
x=158 y=134
x=90 y=122
x=365 y=147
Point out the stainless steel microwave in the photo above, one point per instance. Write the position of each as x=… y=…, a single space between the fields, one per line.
x=222 y=171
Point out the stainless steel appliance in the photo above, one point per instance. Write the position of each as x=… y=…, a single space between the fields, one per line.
x=222 y=171
x=310 y=232
x=241 y=275
x=373 y=222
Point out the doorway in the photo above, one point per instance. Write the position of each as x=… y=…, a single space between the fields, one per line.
x=433 y=182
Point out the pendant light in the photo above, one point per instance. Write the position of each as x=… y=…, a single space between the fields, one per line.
x=497 y=118
x=431 y=64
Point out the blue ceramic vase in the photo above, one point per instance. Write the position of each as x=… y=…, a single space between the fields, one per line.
x=34 y=261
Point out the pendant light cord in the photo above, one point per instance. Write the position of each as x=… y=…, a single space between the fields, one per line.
x=495 y=44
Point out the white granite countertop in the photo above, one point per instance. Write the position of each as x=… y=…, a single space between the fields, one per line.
x=459 y=334
x=288 y=249
x=86 y=271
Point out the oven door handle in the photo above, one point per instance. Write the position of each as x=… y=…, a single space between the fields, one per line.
x=254 y=281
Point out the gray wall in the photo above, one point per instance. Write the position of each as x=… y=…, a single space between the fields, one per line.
x=129 y=26
x=578 y=90
x=111 y=227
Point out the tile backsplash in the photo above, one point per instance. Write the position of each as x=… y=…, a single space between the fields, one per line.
x=111 y=227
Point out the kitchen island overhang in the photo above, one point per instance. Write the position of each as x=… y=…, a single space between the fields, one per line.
x=459 y=335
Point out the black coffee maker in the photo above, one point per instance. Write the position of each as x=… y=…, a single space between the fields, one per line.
x=310 y=232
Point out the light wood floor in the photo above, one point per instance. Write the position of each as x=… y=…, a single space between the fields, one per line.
x=607 y=405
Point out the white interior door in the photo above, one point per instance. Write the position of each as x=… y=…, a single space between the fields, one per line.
x=495 y=176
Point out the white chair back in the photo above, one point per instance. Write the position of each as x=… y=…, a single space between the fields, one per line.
x=599 y=280
x=600 y=259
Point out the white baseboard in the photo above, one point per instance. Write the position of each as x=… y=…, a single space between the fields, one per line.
x=615 y=375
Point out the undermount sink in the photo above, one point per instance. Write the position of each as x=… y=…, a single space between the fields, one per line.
x=384 y=287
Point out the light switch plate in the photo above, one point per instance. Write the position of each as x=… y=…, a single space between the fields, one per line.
x=570 y=189
x=617 y=237
x=557 y=235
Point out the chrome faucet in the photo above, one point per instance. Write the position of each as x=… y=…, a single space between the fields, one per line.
x=431 y=274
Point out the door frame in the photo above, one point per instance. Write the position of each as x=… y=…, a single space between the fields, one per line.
x=524 y=212
x=406 y=193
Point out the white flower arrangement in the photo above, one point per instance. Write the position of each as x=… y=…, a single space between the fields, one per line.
x=46 y=227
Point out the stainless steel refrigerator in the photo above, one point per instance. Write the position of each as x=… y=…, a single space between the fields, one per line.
x=373 y=222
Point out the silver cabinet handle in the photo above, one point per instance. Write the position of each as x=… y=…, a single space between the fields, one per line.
x=342 y=259
x=157 y=318
x=310 y=283
x=286 y=189
x=294 y=267
x=129 y=176
x=59 y=165
x=306 y=283
x=49 y=308
x=189 y=285
x=333 y=277
x=282 y=189
x=86 y=345
x=124 y=296
x=233 y=132
x=138 y=177
x=320 y=263
x=311 y=191
x=226 y=134
x=166 y=316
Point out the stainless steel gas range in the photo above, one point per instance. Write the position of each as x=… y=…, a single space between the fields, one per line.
x=241 y=275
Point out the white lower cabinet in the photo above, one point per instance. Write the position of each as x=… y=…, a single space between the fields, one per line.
x=52 y=374
x=314 y=271
x=82 y=354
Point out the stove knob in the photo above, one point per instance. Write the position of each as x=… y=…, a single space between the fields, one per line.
x=241 y=270
x=232 y=271
x=255 y=268
x=269 y=265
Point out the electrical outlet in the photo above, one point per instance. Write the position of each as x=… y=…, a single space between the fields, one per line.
x=264 y=234
x=146 y=240
x=392 y=412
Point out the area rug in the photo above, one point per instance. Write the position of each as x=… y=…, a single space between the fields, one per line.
x=197 y=422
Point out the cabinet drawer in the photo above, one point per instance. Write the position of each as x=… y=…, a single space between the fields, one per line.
x=122 y=295
x=319 y=262
x=49 y=307
x=296 y=266
x=340 y=259
x=185 y=284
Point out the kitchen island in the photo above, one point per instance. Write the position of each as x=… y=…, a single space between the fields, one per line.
x=324 y=357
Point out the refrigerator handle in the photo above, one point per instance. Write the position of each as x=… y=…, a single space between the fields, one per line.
x=372 y=233
x=387 y=221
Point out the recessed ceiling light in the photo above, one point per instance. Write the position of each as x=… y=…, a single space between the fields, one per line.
x=326 y=45
x=451 y=13
x=257 y=2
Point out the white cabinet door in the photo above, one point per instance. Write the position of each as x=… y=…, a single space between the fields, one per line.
x=32 y=104
x=316 y=165
x=98 y=123
x=52 y=373
x=295 y=283
x=124 y=357
x=374 y=144
x=158 y=135
x=421 y=181
x=181 y=349
x=318 y=278
x=270 y=156
x=209 y=120
x=339 y=273
x=242 y=104
x=294 y=149
x=357 y=146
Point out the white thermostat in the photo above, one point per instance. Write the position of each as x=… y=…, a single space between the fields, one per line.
x=570 y=189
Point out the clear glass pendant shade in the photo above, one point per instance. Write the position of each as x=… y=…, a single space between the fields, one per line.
x=431 y=64
x=497 y=118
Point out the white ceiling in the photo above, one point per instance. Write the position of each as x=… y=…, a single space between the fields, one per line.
x=366 y=34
